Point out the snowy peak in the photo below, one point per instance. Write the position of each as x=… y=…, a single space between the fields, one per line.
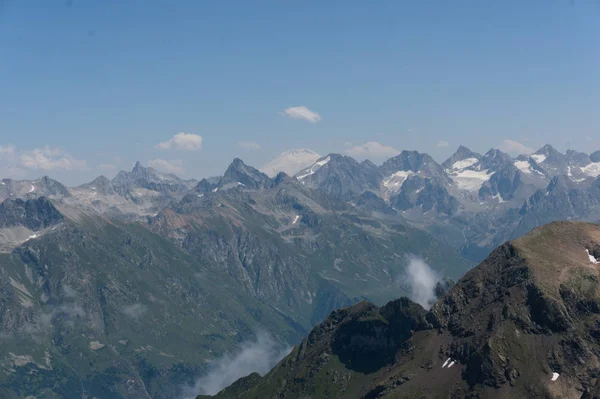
x=461 y=154
x=341 y=176
x=312 y=169
x=290 y=162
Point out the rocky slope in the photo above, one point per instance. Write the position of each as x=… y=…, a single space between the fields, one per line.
x=523 y=324
x=99 y=308
x=298 y=249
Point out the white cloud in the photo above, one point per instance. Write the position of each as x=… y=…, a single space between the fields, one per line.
x=249 y=145
x=301 y=112
x=514 y=147
x=443 y=143
x=372 y=150
x=7 y=151
x=172 y=166
x=182 y=141
x=422 y=280
x=258 y=355
x=50 y=158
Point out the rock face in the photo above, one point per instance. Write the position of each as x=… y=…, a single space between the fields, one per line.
x=110 y=310
x=34 y=214
x=522 y=324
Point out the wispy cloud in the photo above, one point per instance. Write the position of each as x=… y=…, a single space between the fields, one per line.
x=443 y=144
x=515 y=148
x=422 y=280
x=51 y=158
x=182 y=141
x=302 y=112
x=171 y=166
x=371 y=150
x=249 y=145
x=258 y=355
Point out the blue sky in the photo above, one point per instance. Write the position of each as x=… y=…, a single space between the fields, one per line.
x=88 y=87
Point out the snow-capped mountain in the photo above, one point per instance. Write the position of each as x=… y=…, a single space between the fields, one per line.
x=290 y=162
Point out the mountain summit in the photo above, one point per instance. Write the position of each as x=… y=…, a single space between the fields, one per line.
x=525 y=323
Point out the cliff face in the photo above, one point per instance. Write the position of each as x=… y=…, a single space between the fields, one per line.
x=524 y=323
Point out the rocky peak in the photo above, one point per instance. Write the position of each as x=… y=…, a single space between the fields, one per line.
x=460 y=154
x=239 y=173
x=524 y=323
x=495 y=159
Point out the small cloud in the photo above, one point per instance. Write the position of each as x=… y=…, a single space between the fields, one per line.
x=50 y=158
x=301 y=112
x=372 y=150
x=182 y=141
x=443 y=144
x=134 y=311
x=422 y=280
x=515 y=148
x=172 y=166
x=249 y=145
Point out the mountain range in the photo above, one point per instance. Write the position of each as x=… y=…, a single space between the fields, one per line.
x=132 y=286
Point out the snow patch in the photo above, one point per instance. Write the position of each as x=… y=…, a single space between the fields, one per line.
x=296 y=219
x=538 y=158
x=591 y=257
x=592 y=169
x=499 y=198
x=200 y=195
x=96 y=345
x=215 y=189
x=31 y=189
x=523 y=166
x=316 y=166
x=395 y=181
x=471 y=180
x=554 y=376
x=465 y=163
x=32 y=237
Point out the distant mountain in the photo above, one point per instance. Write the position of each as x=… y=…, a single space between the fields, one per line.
x=44 y=186
x=340 y=176
x=522 y=324
x=297 y=248
x=290 y=162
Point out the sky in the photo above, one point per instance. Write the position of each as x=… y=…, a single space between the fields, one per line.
x=89 y=87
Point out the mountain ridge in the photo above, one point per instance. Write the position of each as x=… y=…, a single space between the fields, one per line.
x=518 y=325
